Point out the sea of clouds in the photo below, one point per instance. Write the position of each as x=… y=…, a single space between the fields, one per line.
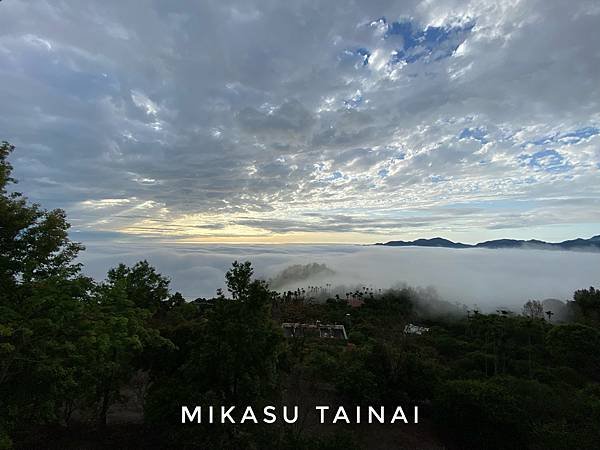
x=483 y=277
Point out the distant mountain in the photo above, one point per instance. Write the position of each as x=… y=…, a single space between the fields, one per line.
x=434 y=242
x=511 y=243
x=592 y=243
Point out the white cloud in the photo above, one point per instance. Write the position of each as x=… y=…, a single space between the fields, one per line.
x=226 y=108
x=487 y=278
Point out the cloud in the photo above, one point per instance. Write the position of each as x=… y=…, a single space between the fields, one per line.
x=234 y=118
x=290 y=118
x=482 y=277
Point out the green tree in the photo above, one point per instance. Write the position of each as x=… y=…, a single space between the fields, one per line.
x=41 y=298
x=239 y=356
x=119 y=335
x=576 y=345
x=533 y=309
x=234 y=355
x=586 y=303
x=143 y=285
x=481 y=414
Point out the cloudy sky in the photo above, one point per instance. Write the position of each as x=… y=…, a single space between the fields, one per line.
x=306 y=121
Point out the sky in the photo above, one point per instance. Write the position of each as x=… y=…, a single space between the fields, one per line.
x=182 y=123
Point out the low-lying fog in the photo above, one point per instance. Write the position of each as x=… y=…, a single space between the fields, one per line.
x=487 y=278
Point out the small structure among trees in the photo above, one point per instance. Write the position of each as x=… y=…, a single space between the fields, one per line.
x=415 y=329
x=298 y=330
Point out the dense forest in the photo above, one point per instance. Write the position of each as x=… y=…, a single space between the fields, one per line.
x=87 y=364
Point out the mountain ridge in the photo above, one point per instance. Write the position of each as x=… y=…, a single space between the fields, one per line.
x=592 y=243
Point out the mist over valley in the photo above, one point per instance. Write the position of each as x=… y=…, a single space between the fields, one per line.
x=486 y=278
